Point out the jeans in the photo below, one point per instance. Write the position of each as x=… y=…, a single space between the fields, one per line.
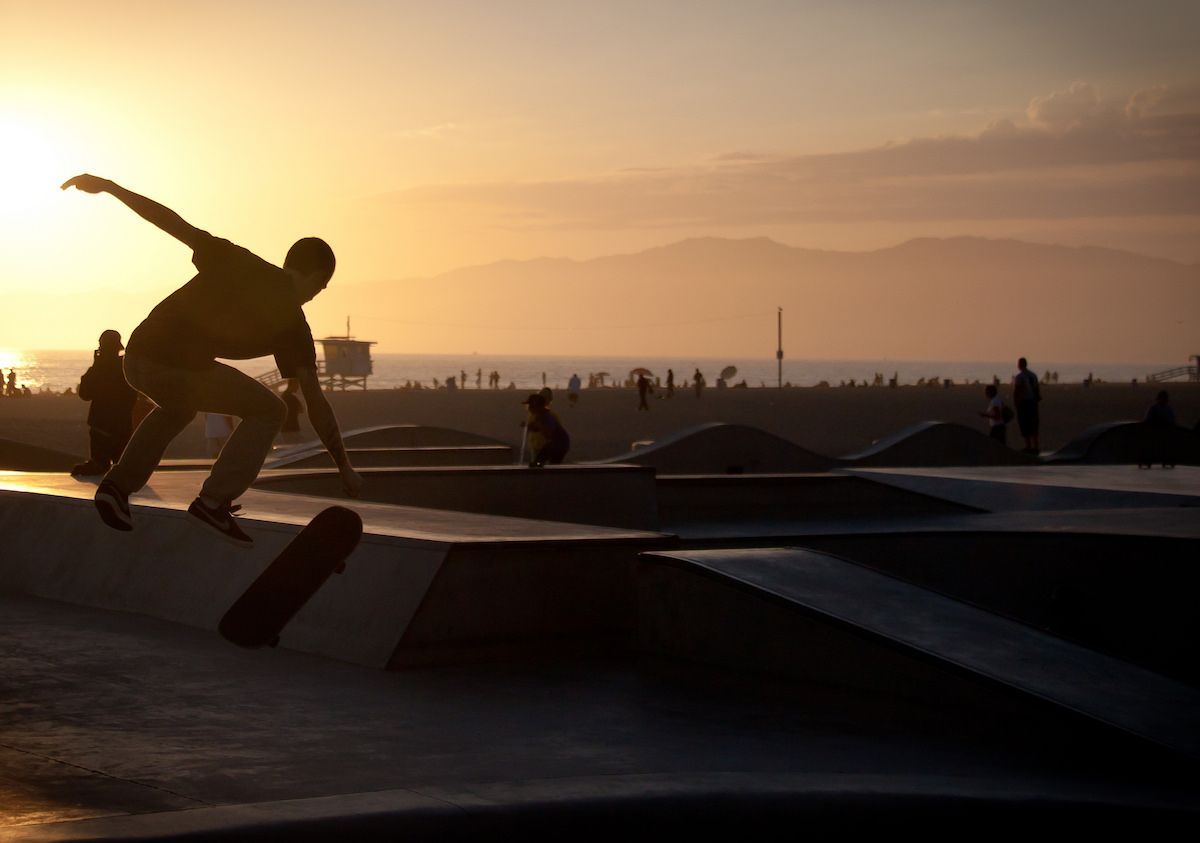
x=180 y=394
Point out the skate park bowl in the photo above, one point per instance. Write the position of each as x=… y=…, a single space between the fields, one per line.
x=820 y=618
x=18 y=456
x=608 y=495
x=424 y=586
x=719 y=448
x=1131 y=443
x=936 y=444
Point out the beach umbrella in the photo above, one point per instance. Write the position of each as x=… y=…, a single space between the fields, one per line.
x=600 y=376
x=728 y=372
x=633 y=373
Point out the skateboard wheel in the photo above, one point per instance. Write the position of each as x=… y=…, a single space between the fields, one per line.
x=341 y=567
x=274 y=642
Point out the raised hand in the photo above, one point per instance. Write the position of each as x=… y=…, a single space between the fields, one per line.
x=88 y=183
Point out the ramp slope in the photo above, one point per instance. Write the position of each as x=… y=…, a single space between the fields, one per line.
x=971 y=641
x=719 y=448
x=936 y=444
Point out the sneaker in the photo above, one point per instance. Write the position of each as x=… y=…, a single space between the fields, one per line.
x=220 y=519
x=113 y=505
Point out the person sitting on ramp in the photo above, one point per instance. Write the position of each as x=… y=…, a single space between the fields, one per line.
x=238 y=306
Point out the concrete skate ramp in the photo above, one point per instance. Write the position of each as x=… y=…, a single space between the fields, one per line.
x=850 y=619
x=424 y=585
x=719 y=448
x=397 y=457
x=935 y=444
x=400 y=445
x=18 y=456
x=1131 y=443
x=608 y=495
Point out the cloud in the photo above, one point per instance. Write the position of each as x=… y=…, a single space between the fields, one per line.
x=1078 y=156
x=425 y=131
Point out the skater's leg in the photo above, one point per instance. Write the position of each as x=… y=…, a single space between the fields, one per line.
x=168 y=388
x=224 y=389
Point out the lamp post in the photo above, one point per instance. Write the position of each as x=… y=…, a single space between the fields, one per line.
x=779 y=351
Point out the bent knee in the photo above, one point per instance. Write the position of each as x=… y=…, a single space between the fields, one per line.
x=269 y=411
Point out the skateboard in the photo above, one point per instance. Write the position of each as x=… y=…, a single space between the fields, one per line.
x=319 y=550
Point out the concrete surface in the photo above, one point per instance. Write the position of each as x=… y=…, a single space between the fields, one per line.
x=969 y=639
x=718 y=448
x=936 y=443
x=117 y=726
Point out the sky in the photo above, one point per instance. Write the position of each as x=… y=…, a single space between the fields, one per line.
x=417 y=137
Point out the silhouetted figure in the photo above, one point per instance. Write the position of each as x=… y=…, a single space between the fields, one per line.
x=10 y=387
x=238 y=306
x=1026 y=395
x=573 y=389
x=643 y=388
x=1159 y=421
x=549 y=441
x=479 y=378
x=996 y=415
x=698 y=382
x=110 y=419
x=670 y=383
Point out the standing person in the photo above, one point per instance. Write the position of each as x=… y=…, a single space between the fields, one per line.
x=698 y=380
x=549 y=441
x=1026 y=395
x=10 y=388
x=997 y=420
x=110 y=418
x=670 y=383
x=238 y=306
x=573 y=389
x=643 y=388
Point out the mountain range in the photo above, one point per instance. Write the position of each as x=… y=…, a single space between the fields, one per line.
x=957 y=298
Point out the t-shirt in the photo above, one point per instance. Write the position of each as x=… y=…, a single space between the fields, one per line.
x=996 y=411
x=238 y=306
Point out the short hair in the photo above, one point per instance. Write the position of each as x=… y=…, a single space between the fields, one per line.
x=311 y=254
x=1022 y=363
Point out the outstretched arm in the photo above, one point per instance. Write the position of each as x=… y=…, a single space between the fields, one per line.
x=147 y=209
x=326 y=426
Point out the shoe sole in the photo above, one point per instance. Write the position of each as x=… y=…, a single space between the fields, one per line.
x=111 y=514
x=212 y=529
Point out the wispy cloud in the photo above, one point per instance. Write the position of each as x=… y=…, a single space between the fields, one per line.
x=1078 y=155
x=434 y=131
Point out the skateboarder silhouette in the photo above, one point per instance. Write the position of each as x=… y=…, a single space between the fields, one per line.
x=238 y=306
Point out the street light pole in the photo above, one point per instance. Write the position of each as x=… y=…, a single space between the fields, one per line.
x=779 y=352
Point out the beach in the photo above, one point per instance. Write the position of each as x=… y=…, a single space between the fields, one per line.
x=605 y=423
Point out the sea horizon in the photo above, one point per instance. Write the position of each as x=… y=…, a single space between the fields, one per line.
x=59 y=369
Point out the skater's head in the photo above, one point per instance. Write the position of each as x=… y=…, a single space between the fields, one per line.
x=1022 y=364
x=310 y=262
x=990 y=390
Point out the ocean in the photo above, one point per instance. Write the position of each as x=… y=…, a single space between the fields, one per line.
x=58 y=370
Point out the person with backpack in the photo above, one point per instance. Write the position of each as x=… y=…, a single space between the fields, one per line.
x=1027 y=394
x=110 y=418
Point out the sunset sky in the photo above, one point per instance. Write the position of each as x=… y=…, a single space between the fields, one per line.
x=420 y=137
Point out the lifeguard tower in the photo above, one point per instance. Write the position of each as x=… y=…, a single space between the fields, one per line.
x=347 y=361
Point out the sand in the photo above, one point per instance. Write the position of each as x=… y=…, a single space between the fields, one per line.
x=831 y=421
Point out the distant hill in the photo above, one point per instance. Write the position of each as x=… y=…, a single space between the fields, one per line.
x=963 y=297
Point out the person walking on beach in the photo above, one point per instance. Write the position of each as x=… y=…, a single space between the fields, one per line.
x=238 y=306
x=643 y=388
x=110 y=418
x=670 y=383
x=1026 y=395
x=573 y=389
x=698 y=380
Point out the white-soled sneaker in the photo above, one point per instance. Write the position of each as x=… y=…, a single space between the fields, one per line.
x=113 y=506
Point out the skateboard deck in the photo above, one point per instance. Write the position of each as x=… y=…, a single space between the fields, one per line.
x=319 y=550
